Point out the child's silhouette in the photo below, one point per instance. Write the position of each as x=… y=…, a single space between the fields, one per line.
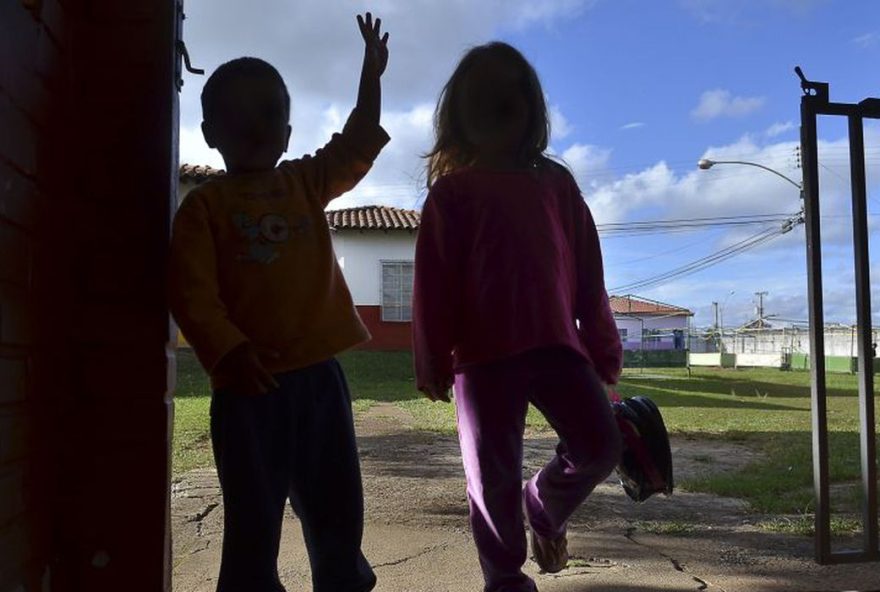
x=510 y=305
x=256 y=290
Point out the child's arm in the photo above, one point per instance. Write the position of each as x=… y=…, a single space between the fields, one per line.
x=598 y=330
x=193 y=290
x=345 y=160
x=369 y=101
x=194 y=298
x=434 y=302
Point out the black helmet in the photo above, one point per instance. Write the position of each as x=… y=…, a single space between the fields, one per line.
x=646 y=461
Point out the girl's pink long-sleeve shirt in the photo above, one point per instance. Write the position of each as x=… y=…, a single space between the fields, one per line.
x=508 y=261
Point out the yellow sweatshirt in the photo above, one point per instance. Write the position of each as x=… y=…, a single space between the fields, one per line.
x=251 y=258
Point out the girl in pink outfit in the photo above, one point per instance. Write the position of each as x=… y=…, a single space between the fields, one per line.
x=510 y=307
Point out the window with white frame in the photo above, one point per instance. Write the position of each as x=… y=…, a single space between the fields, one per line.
x=623 y=333
x=397 y=288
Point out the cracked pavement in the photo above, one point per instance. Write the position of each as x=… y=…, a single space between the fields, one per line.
x=417 y=536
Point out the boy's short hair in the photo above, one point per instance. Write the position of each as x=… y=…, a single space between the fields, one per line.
x=232 y=70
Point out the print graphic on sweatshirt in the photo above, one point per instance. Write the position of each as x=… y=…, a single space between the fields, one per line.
x=265 y=234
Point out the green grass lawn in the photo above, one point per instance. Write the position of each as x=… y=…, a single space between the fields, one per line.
x=768 y=410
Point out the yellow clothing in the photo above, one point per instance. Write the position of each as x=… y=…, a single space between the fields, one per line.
x=252 y=260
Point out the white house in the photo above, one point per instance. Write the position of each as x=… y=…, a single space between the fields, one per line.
x=646 y=324
x=375 y=247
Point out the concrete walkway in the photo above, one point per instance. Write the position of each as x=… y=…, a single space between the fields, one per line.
x=417 y=536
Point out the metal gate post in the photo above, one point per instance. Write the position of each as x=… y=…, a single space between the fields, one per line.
x=816 y=102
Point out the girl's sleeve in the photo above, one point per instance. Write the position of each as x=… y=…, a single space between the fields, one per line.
x=434 y=302
x=194 y=293
x=597 y=328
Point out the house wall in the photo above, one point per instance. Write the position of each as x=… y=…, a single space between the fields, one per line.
x=385 y=336
x=360 y=254
x=665 y=324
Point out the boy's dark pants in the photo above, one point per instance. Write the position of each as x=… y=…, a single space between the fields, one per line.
x=298 y=442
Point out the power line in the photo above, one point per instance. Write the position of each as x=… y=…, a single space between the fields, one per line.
x=660 y=254
x=618 y=229
x=697 y=265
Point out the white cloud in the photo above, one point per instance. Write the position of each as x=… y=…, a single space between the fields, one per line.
x=742 y=12
x=721 y=103
x=659 y=192
x=779 y=128
x=398 y=176
x=632 y=125
x=548 y=11
x=317 y=47
x=560 y=128
x=194 y=150
x=867 y=40
x=586 y=162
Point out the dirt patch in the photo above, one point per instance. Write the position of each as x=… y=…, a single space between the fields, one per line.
x=414 y=480
x=417 y=477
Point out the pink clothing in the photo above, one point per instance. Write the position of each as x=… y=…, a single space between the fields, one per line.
x=491 y=401
x=506 y=262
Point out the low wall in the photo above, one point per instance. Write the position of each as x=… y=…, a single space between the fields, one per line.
x=762 y=361
x=676 y=358
x=717 y=360
x=836 y=364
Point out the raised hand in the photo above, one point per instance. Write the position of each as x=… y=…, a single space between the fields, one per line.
x=375 y=44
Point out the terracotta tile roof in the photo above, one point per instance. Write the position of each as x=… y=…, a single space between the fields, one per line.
x=198 y=173
x=634 y=305
x=373 y=218
x=361 y=218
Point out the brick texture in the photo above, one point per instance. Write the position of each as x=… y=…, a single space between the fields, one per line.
x=88 y=179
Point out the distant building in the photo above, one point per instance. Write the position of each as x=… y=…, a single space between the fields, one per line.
x=375 y=247
x=650 y=325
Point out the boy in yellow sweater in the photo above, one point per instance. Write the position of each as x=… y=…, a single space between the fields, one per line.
x=257 y=292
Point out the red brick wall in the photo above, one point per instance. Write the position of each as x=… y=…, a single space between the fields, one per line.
x=386 y=336
x=33 y=50
x=87 y=179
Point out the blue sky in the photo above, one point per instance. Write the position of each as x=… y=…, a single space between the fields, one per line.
x=640 y=90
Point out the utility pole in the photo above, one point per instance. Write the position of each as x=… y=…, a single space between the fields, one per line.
x=715 y=329
x=760 y=304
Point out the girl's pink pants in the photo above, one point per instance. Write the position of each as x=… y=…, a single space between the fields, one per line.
x=491 y=401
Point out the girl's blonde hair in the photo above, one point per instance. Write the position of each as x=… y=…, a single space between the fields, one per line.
x=452 y=150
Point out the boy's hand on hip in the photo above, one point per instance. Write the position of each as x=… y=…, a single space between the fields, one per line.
x=375 y=47
x=245 y=370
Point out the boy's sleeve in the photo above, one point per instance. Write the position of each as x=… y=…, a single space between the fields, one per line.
x=194 y=294
x=343 y=161
x=434 y=296
x=598 y=330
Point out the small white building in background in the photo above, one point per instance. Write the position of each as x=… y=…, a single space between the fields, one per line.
x=646 y=324
x=375 y=247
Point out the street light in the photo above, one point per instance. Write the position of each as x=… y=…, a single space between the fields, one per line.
x=707 y=164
